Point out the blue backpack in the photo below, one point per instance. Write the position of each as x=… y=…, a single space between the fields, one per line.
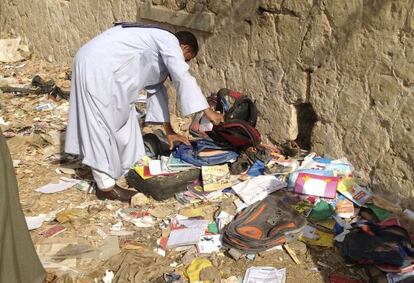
x=191 y=154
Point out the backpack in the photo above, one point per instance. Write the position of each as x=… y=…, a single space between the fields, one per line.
x=238 y=134
x=387 y=247
x=204 y=152
x=263 y=225
x=156 y=144
x=236 y=106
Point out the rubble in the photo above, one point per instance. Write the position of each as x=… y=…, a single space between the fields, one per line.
x=79 y=236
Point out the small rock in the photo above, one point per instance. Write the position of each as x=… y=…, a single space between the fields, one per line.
x=139 y=199
x=210 y=274
x=298 y=247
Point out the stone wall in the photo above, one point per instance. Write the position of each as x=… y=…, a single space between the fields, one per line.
x=338 y=75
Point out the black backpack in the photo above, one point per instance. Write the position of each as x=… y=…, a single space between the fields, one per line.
x=236 y=106
x=372 y=244
x=240 y=117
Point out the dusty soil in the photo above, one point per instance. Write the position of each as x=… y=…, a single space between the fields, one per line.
x=38 y=144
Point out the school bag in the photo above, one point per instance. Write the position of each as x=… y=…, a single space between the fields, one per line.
x=156 y=144
x=236 y=106
x=238 y=134
x=240 y=116
x=205 y=152
x=263 y=225
x=388 y=247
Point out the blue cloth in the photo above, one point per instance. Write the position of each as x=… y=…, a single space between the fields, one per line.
x=190 y=154
x=256 y=169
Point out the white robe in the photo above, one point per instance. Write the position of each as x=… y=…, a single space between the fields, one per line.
x=108 y=72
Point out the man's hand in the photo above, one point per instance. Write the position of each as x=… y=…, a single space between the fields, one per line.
x=215 y=117
x=172 y=136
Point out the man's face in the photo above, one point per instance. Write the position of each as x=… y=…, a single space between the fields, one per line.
x=187 y=52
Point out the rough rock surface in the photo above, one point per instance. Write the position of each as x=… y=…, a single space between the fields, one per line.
x=350 y=62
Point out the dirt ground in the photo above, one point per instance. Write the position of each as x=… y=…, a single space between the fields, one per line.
x=36 y=139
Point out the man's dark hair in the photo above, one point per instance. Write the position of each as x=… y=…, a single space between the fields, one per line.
x=187 y=38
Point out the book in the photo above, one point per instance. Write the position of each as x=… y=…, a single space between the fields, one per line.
x=257 y=188
x=264 y=274
x=215 y=177
x=185 y=237
x=176 y=164
x=316 y=185
x=53 y=231
x=354 y=192
x=344 y=207
x=209 y=244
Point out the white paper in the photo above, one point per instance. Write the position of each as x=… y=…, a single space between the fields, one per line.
x=240 y=205
x=223 y=219
x=257 y=188
x=64 y=184
x=34 y=222
x=310 y=233
x=109 y=276
x=193 y=223
x=205 y=124
x=3 y=122
x=265 y=275
x=209 y=244
x=185 y=237
x=156 y=167
x=409 y=213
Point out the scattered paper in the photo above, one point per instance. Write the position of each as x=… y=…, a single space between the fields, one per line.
x=16 y=163
x=156 y=167
x=101 y=233
x=257 y=188
x=64 y=184
x=265 y=275
x=223 y=219
x=54 y=231
x=109 y=275
x=209 y=244
x=310 y=233
x=409 y=213
x=240 y=205
x=34 y=222
x=3 y=122
x=117 y=227
x=138 y=218
x=185 y=237
x=205 y=124
x=193 y=223
x=323 y=239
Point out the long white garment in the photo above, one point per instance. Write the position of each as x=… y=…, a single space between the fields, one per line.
x=108 y=72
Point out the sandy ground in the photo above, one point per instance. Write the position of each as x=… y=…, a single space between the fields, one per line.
x=38 y=144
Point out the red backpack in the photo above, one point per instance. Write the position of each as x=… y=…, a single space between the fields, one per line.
x=235 y=133
x=240 y=117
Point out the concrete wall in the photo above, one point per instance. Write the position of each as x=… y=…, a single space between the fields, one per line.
x=351 y=62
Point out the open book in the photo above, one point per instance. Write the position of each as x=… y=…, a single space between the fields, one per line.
x=215 y=177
